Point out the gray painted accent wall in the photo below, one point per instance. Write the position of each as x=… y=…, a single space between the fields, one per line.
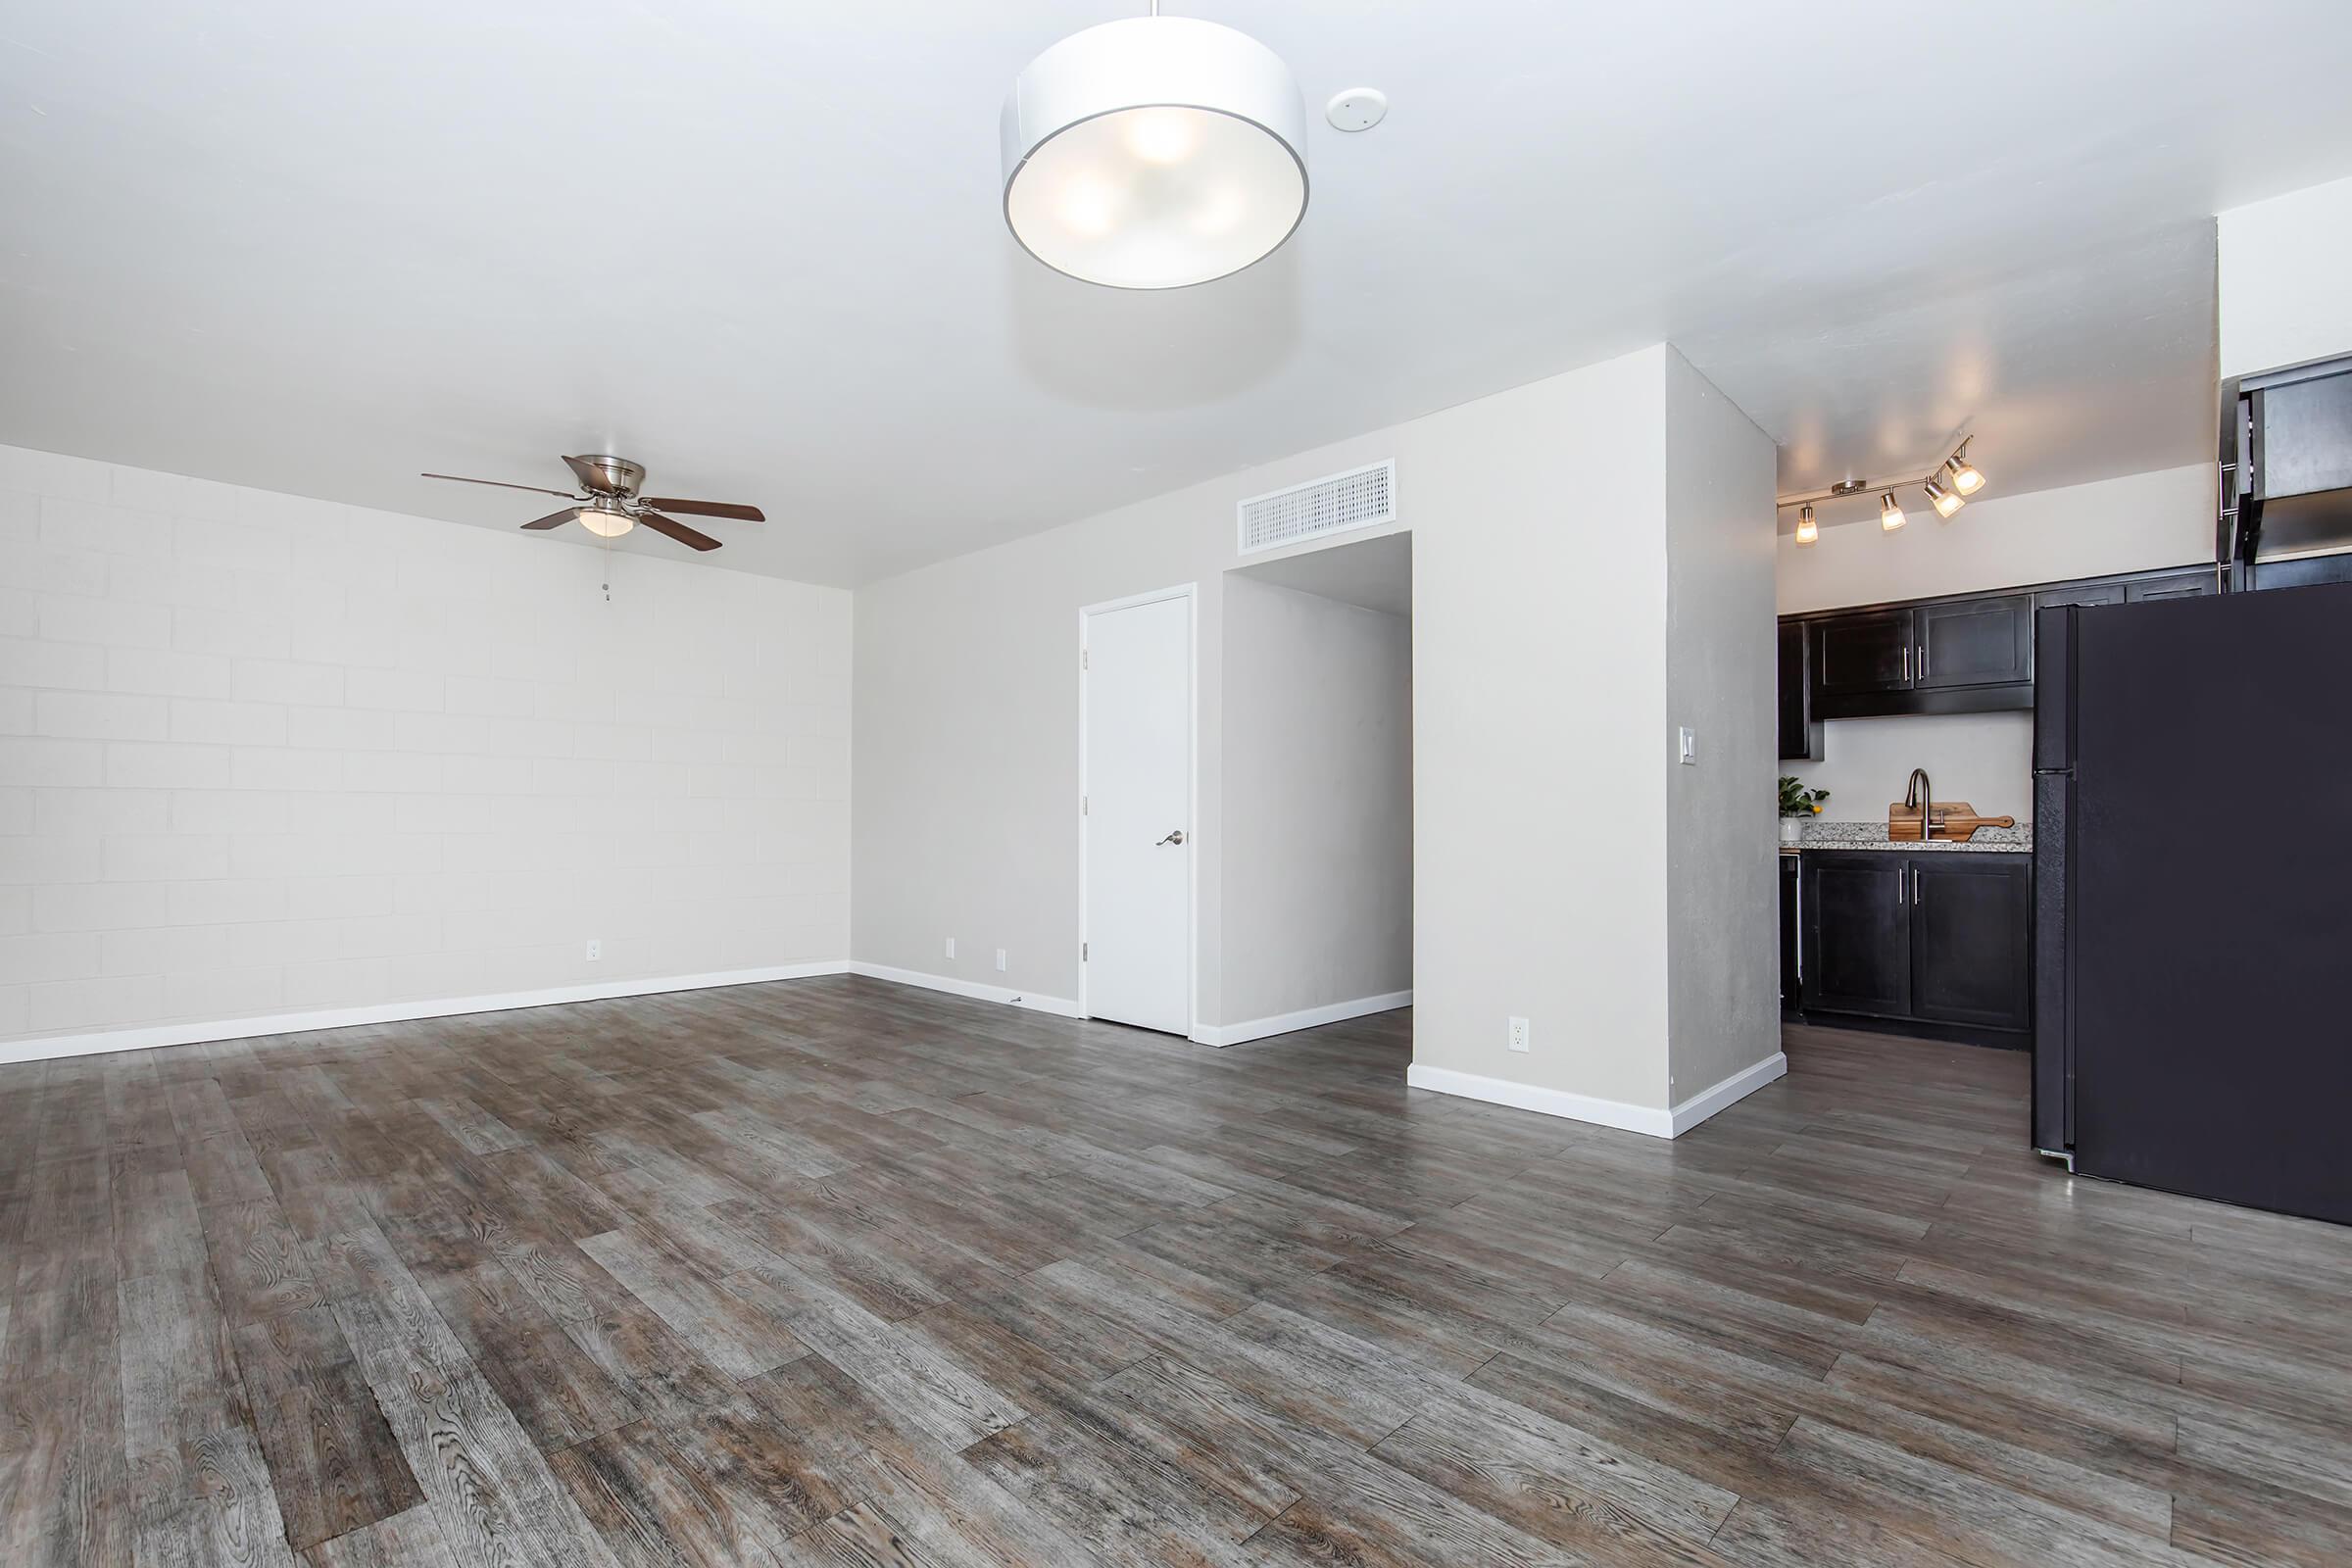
x=1722 y=899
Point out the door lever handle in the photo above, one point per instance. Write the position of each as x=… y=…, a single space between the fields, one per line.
x=1176 y=837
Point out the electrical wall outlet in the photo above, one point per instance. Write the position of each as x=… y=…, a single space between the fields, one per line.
x=951 y=947
x=1519 y=1033
x=596 y=950
x=1000 y=960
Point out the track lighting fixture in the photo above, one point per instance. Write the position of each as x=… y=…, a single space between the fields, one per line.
x=1966 y=479
x=1947 y=487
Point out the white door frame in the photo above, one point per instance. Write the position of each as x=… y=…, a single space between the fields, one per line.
x=1190 y=593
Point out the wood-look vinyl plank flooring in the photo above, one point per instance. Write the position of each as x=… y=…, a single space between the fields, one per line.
x=835 y=1271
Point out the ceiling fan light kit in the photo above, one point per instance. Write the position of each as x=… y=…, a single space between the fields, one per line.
x=608 y=505
x=1153 y=153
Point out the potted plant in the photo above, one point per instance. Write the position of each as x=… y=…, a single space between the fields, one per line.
x=1796 y=803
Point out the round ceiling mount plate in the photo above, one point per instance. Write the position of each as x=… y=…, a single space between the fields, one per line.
x=1357 y=108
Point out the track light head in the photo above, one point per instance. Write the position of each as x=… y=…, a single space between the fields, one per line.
x=1890 y=515
x=1945 y=501
x=1966 y=479
x=1807 y=530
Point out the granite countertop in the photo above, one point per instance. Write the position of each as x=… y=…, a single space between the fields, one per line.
x=1822 y=834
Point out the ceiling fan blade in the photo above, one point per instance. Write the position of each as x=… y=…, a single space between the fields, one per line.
x=537 y=490
x=585 y=470
x=555 y=520
x=677 y=530
x=709 y=508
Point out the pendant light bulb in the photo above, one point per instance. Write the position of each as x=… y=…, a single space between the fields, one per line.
x=1807 y=530
x=1966 y=479
x=1944 y=501
x=1890 y=515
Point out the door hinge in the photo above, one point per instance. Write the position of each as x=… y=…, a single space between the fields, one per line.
x=1081 y=659
x=1083 y=808
x=1081 y=953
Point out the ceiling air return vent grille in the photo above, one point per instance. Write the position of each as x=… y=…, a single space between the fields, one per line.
x=1360 y=498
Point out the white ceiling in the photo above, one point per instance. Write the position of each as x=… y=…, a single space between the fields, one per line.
x=1374 y=574
x=758 y=247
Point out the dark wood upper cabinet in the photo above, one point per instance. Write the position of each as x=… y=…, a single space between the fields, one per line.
x=1975 y=642
x=1799 y=731
x=1858 y=655
x=1972 y=925
x=1858 y=932
x=2179 y=585
x=2303 y=571
x=1970 y=653
x=2082 y=592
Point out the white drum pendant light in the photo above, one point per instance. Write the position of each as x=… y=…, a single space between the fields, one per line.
x=1153 y=153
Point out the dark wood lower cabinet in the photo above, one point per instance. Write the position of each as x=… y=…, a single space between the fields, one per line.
x=1936 y=942
x=1857 y=956
x=1971 y=923
x=1792 y=968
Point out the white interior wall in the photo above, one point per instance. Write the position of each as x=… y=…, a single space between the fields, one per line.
x=1538 y=518
x=2282 y=295
x=263 y=755
x=2137 y=523
x=1318 y=792
x=1540 y=706
x=965 y=770
x=1722 y=895
x=1984 y=759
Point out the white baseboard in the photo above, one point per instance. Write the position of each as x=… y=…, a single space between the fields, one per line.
x=1617 y=1114
x=1233 y=1034
x=1035 y=1002
x=1737 y=1087
x=149 y=1037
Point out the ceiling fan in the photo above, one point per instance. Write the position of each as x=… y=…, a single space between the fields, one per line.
x=609 y=505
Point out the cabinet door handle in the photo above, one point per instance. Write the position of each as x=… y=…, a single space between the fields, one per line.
x=1906 y=662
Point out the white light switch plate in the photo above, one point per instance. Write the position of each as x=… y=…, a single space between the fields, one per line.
x=1690 y=745
x=951 y=947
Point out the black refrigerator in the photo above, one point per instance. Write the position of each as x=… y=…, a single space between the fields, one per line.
x=2192 y=856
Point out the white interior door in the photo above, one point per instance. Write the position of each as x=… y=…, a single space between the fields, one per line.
x=1138 y=819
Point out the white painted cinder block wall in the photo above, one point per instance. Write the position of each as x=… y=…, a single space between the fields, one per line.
x=263 y=755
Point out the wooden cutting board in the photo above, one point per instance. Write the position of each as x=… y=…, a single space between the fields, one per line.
x=1956 y=820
